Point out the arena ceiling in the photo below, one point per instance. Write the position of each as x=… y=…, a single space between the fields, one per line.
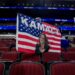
x=38 y=13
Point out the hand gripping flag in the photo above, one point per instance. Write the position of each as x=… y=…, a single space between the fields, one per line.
x=28 y=31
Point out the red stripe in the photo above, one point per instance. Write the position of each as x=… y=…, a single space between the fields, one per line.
x=57 y=35
x=27 y=37
x=52 y=43
x=55 y=48
x=26 y=43
x=25 y=50
x=54 y=39
x=49 y=24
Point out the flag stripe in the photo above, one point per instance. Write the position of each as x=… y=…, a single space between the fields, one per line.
x=26 y=40
x=25 y=50
x=33 y=42
x=55 y=48
x=55 y=51
x=26 y=47
x=49 y=25
x=28 y=37
x=54 y=39
x=26 y=43
x=54 y=43
x=58 y=42
x=51 y=34
x=24 y=33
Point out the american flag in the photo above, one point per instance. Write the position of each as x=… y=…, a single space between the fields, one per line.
x=28 y=34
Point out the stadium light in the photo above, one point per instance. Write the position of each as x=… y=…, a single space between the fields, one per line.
x=43 y=19
x=12 y=27
x=74 y=19
x=39 y=8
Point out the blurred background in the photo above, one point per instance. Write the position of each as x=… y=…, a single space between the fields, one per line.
x=59 y=13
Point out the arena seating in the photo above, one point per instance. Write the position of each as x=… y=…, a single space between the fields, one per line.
x=26 y=68
x=64 y=68
x=5 y=44
x=69 y=56
x=4 y=49
x=69 y=49
x=13 y=49
x=31 y=57
x=28 y=59
x=49 y=56
x=1 y=69
x=9 y=56
x=72 y=49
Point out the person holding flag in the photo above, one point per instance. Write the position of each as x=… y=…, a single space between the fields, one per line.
x=41 y=48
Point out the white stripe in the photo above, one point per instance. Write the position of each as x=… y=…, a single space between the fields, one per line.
x=52 y=36
x=55 y=51
x=58 y=42
x=55 y=46
x=33 y=42
x=26 y=47
x=26 y=40
x=23 y=33
x=38 y=38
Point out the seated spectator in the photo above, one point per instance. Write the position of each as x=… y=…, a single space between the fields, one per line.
x=42 y=46
x=65 y=43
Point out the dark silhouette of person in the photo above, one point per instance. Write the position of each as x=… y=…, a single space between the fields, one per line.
x=65 y=43
x=42 y=47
